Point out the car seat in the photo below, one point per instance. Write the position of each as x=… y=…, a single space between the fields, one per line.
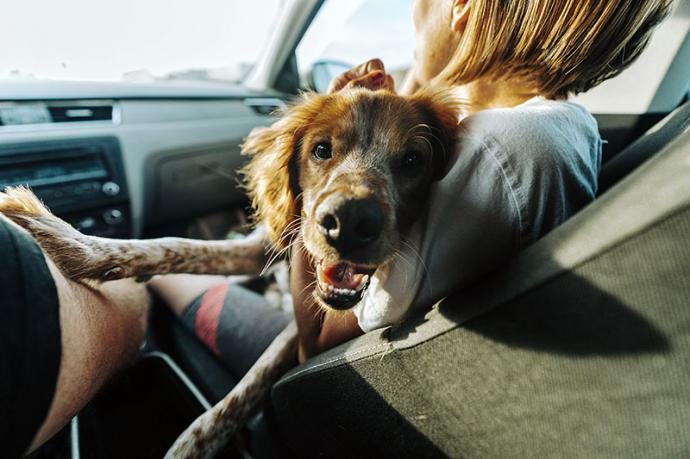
x=579 y=346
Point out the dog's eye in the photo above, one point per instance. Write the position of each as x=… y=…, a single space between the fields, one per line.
x=322 y=152
x=411 y=161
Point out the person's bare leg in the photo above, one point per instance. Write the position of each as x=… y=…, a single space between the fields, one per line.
x=101 y=331
x=179 y=290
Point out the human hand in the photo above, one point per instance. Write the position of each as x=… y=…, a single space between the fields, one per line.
x=370 y=75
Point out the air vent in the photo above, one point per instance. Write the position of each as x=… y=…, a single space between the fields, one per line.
x=66 y=113
x=22 y=114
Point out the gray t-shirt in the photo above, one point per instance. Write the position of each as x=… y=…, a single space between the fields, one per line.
x=516 y=174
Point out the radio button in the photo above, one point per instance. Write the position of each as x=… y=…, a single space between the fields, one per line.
x=113 y=216
x=86 y=223
x=110 y=189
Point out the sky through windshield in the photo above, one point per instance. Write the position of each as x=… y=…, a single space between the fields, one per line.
x=135 y=39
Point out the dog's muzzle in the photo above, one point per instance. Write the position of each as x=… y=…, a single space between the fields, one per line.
x=351 y=225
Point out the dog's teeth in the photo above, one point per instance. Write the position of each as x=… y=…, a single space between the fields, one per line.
x=345 y=292
x=329 y=290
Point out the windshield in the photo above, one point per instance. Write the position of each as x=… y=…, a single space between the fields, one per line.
x=133 y=40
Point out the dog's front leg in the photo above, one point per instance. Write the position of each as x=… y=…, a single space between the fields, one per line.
x=110 y=259
x=82 y=257
x=214 y=429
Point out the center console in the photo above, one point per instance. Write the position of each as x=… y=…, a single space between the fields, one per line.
x=80 y=180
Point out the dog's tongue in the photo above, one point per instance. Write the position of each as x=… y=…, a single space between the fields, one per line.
x=343 y=275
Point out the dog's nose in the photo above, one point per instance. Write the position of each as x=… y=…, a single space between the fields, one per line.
x=353 y=224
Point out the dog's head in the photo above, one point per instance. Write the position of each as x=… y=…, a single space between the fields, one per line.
x=349 y=172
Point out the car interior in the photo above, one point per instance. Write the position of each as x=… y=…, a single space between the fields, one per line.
x=607 y=292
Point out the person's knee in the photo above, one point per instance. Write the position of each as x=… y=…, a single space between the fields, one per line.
x=132 y=300
x=116 y=310
x=179 y=290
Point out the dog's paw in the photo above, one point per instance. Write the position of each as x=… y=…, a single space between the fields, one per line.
x=21 y=202
x=69 y=249
x=21 y=206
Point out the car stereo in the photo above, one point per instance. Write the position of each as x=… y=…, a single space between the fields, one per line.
x=80 y=180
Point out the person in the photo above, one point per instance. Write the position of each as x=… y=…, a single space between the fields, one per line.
x=59 y=340
x=526 y=160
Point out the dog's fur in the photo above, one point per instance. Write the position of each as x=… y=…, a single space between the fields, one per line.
x=383 y=151
x=370 y=135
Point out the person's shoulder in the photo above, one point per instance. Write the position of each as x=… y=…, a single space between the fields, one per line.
x=547 y=153
x=539 y=136
x=535 y=128
x=534 y=110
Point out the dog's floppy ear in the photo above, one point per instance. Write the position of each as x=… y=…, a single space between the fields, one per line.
x=271 y=175
x=441 y=109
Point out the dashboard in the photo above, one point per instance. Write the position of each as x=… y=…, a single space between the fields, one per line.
x=114 y=159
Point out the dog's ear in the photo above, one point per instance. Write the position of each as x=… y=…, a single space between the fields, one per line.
x=270 y=177
x=441 y=109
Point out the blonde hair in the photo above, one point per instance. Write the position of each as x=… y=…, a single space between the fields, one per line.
x=563 y=46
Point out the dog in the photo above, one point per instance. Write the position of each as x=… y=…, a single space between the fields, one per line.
x=347 y=174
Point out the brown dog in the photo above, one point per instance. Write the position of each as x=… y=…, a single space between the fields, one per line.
x=347 y=173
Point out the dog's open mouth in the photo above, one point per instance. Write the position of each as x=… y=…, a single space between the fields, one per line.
x=341 y=285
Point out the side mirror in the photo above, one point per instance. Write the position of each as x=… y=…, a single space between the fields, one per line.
x=322 y=72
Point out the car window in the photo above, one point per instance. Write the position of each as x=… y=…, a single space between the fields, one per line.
x=133 y=40
x=353 y=31
x=657 y=81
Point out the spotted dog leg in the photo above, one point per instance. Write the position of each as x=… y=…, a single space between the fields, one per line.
x=82 y=257
x=214 y=429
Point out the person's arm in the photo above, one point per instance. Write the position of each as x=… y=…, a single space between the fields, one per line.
x=101 y=330
x=319 y=328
